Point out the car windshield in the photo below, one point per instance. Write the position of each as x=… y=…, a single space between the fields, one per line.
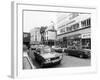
x=48 y=50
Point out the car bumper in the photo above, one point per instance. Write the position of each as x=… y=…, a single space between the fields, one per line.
x=51 y=64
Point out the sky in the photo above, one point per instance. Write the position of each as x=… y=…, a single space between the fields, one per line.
x=37 y=19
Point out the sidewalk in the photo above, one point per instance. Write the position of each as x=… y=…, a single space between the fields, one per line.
x=27 y=62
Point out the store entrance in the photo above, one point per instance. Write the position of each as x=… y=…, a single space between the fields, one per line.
x=74 y=43
x=86 y=43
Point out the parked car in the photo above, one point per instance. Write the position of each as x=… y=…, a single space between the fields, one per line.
x=58 y=49
x=82 y=53
x=47 y=56
x=34 y=47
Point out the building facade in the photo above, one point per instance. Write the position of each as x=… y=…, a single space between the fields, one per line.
x=74 y=30
x=26 y=39
x=50 y=35
x=42 y=32
x=35 y=36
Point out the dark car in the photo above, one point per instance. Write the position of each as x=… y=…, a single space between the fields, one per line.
x=47 y=56
x=82 y=53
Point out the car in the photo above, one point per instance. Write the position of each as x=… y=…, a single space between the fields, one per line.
x=46 y=56
x=58 y=49
x=82 y=53
x=87 y=52
x=34 y=47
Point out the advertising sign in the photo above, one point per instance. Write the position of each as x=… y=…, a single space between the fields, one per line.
x=51 y=35
x=87 y=35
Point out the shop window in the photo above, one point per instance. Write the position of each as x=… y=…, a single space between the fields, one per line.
x=86 y=43
x=74 y=43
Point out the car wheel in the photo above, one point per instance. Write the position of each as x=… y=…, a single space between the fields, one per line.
x=59 y=62
x=41 y=65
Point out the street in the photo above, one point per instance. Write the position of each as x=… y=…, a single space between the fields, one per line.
x=56 y=39
x=67 y=61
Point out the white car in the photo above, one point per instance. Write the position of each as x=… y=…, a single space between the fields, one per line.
x=47 y=56
x=58 y=49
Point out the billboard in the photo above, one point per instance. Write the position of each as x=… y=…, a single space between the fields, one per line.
x=51 y=35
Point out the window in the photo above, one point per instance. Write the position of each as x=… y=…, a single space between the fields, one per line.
x=76 y=26
x=73 y=27
x=35 y=38
x=86 y=43
x=62 y=30
x=25 y=35
x=89 y=22
x=86 y=23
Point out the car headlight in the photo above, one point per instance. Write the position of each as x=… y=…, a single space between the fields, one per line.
x=48 y=60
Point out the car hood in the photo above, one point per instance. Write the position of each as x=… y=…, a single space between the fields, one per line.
x=87 y=49
x=50 y=55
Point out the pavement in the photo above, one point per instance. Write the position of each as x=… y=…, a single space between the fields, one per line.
x=27 y=63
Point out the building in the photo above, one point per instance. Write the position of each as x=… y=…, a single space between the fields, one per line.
x=42 y=32
x=50 y=35
x=35 y=36
x=26 y=38
x=74 y=30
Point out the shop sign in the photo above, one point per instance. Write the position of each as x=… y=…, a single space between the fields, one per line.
x=74 y=36
x=86 y=35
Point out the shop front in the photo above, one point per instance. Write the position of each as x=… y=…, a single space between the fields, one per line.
x=50 y=42
x=74 y=41
x=59 y=42
x=79 y=39
x=86 y=41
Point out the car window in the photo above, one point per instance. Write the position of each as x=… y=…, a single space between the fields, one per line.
x=38 y=50
x=48 y=50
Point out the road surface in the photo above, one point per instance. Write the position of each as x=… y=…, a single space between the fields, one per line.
x=67 y=61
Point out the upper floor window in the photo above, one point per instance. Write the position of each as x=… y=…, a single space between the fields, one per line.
x=72 y=27
x=86 y=23
x=62 y=30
